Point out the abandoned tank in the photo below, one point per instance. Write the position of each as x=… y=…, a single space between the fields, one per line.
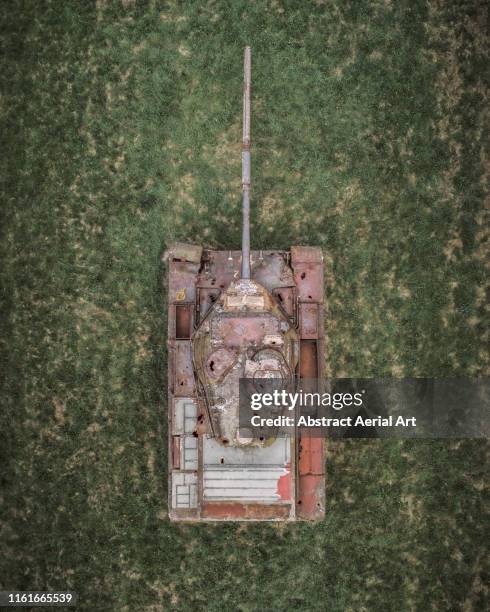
x=238 y=314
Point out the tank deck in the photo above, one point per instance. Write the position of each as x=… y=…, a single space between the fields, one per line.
x=209 y=481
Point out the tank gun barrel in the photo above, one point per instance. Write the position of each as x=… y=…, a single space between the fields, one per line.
x=247 y=72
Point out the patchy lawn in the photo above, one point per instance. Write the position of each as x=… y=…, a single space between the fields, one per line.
x=122 y=128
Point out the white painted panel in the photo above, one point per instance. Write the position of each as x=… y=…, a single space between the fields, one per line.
x=248 y=494
x=259 y=484
x=184 y=490
x=246 y=474
x=277 y=454
x=185 y=416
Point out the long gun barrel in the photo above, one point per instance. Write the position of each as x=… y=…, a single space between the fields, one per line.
x=247 y=66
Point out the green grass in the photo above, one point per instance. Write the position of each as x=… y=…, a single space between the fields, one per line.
x=122 y=127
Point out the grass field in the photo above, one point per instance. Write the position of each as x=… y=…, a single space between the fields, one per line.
x=121 y=125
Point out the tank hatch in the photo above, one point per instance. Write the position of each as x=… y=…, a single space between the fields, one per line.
x=244 y=335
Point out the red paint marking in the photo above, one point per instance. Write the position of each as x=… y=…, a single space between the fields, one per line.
x=176 y=452
x=311 y=455
x=284 y=484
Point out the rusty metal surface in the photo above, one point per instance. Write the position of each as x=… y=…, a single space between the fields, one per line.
x=307 y=263
x=180 y=251
x=244 y=334
x=235 y=511
x=309 y=321
x=183 y=375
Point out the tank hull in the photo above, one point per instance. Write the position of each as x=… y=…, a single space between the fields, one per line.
x=284 y=480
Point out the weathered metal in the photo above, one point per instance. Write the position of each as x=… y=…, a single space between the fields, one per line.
x=247 y=79
x=232 y=315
